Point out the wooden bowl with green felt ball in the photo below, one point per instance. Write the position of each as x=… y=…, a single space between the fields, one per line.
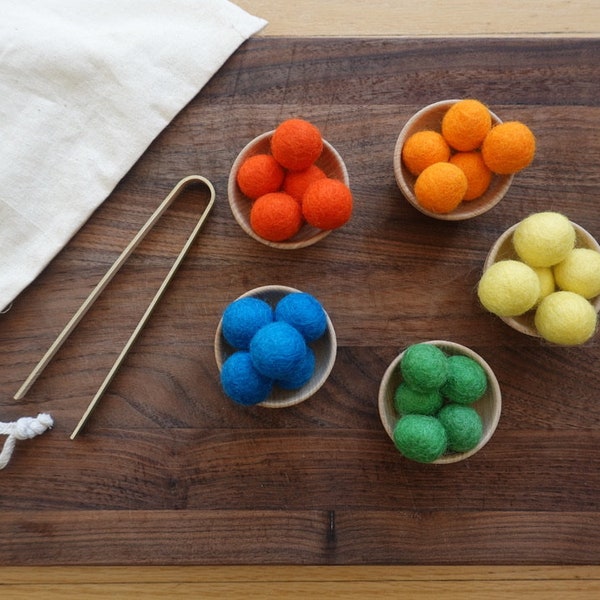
x=551 y=245
x=429 y=119
x=450 y=429
x=330 y=163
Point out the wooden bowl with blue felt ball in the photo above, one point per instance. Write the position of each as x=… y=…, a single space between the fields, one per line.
x=439 y=402
x=275 y=347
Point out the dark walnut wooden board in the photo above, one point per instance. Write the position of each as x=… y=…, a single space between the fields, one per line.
x=168 y=471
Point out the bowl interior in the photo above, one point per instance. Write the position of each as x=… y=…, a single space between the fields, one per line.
x=325 y=349
x=330 y=162
x=503 y=249
x=489 y=406
x=431 y=117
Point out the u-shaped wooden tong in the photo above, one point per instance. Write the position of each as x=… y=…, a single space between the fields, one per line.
x=76 y=318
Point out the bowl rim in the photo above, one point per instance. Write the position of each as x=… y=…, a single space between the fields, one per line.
x=467 y=210
x=519 y=323
x=233 y=191
x=494 y=393
x=290 y=397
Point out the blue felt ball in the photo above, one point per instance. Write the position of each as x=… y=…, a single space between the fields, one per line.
x=304 y=312
x=302 y=375
x=243 y=318
x=277 y=350
x=242 y=382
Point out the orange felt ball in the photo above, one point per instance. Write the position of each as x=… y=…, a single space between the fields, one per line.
x=478 y=174
x=441 y=187
x=276 y=216
x=295 y=183
x=424 y=148
x=258 y=175
x=508 y=147
x=465 y=124
x=327 y=204
x=296 y=144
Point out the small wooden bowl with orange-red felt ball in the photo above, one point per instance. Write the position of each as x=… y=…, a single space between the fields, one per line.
x=266 y=330
x=566 y=260
x=329 y=164
x=429 y=119
x=451 y=420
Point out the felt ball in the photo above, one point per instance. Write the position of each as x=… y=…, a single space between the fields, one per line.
x=424 y=148
x=296 y=144
x=276 y=217
x=508 y=147
x=424 y=367
x=579 y=272
x=441 y=187
x=243 y=318
x=295 y=183
x=302 y=374
x=544 y=239
x=327 y=204
x=509 y=288
x=565 y=318
x=466 y=382
x=465 y=124
x=420 y=437
x=303 y=312
x=409 y=401
x=476 y=171
x=463 y=426
x=277 y=350
x=547 y=282
x=242 y=382
x=259 y=175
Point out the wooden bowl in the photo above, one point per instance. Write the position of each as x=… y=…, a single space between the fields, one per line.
x=330 y=162
x=489 y=406
x=325 y=349
x=430 y=117
x=503 y=249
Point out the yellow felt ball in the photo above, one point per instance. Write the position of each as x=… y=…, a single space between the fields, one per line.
x=544 y=239
x=465 y=124
x=424 y=148
x=441 y=187
x=508 y=147
x=509 y=288
x=580 y=272
x=547 y=283
x=565 y=318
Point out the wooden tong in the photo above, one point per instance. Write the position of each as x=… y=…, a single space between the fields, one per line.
x=80 y=313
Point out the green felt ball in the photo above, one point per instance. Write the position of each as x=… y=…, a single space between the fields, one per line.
x=466 y=382
x=421 y=438
x=409 y=401
x=424 y=367
x=463 y=426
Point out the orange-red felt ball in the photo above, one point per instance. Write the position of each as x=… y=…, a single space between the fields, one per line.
x=296 y=144
x=295 y=183
x=276 y=216
x=258 y=175
x=327 y=204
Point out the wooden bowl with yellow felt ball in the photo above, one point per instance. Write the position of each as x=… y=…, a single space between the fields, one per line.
x=430 y=118
x=329 y=162
x=488 y=406
x=504 y=250
x=323 y=347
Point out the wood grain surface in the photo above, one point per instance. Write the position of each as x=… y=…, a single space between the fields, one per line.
x=169 y=472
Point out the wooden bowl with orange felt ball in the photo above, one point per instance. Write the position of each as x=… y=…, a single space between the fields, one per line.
x=289 y=188
x=456 y=159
